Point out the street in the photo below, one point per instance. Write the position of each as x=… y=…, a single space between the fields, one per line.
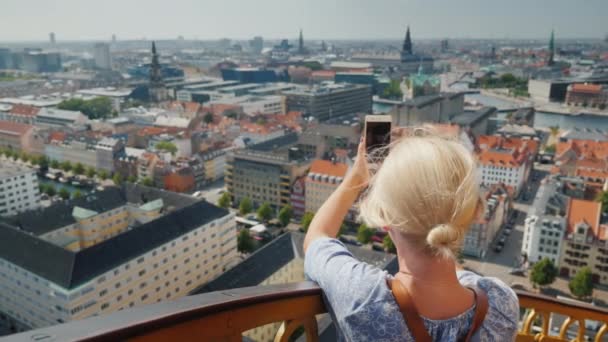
x=212 y=192
x=499 y=264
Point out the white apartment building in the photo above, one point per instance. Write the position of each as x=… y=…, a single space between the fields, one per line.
x=18 y=189
x=545 y=224
x=505 y=161
x=161 y=255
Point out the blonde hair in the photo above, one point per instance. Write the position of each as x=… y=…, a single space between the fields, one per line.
x=426 y=189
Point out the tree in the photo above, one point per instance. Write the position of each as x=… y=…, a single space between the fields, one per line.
x=224 y=201
x=24 y=156
x=117 y=179
x=364 y=234
x=43 y=162
x=554 y=130
x=306 y=219
x=388 y=244
x=166 y=146
x=285 y=215
x=393 y=91
x=543 y=273
x=603 y=197
x=76 y=194
x=148 y=182
x=343 y=229
x=131 y=179
x=550 y=149
x=66 y=166
x=50 y=190
x=64 y=193
x=244 y=242
x=208 y=118
x=90 y=172
x=264 y=212
x=78 y=169
x=313 y=65
x=54 y=164
x=103 y=174
x=581 y=286
x=508 y=79
x=96 y=108
x=245 y=207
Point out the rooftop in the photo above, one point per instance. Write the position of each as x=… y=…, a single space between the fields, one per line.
x=14 y=128
x=326 y=167
x=9 y=170
x=71 y=269
x=583 y=211
x=108 y=91
x=68 y=115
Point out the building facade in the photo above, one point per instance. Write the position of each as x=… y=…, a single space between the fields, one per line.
x=18 y=189
x=331 y=100
x=265 y=172
x=322 y=180
x=197 y=243
x=101 y=53
x=482 y=232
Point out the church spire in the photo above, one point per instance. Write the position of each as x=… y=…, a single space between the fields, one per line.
x=551 y=60
x=407 y=43
x=156 y=89
x=301 y=43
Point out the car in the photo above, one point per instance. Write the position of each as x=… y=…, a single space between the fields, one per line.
x=497 y=248
x=507 y=231
x=221 y=191
x=517 y=272
x=502 y=240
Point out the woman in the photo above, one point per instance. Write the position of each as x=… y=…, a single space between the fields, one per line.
x=425 y=194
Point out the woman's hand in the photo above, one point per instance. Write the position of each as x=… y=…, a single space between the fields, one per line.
x=358 y=177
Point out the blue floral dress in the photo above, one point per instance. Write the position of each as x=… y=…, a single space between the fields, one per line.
x=364 y=308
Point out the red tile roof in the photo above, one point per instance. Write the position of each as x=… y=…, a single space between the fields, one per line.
x=586 y=148
x=14 y=128
x=587 y=88
x=584 y=211
x=326 y=167
x=21 y=109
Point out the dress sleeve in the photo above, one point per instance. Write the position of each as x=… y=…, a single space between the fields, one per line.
x=347 y=283
x=501 y=322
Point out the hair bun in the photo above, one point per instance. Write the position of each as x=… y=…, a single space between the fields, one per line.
x=444 y=240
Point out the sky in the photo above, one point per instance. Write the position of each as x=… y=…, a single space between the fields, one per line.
x=32 y=20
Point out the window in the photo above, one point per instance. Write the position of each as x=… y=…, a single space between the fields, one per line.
x=144 y=297
x=142 y=272
x=103 y=293
x=104 y=306
x=140 y=260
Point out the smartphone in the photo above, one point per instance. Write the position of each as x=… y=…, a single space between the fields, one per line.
x=377 y=132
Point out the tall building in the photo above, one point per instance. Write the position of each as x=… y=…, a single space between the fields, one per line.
x=331 y=100
x=301 y=49
x=52 y=38
x=156 y=89
x=19 y=189
x=551 y=58
x=103 y=59
x=6 y=61
x=266 y=171
x=108 y=251
x=410 y=61
x=38 y=61
x=257 y=44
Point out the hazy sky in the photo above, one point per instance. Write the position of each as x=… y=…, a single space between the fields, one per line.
x=326 y=19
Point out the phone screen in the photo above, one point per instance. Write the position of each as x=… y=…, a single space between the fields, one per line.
x=377 y=134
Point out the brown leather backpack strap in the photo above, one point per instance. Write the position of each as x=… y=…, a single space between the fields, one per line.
x=481 y=309
x=409 y=312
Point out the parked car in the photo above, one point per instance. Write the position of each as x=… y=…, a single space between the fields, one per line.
x=507 y=231
x=517 y=272
x=497 y=248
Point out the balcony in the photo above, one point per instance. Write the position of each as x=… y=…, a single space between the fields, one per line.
x=226 y=315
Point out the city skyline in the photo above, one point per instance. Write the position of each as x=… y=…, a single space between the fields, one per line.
x=71 y=20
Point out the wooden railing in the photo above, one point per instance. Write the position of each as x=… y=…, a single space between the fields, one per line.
x=226 y=315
